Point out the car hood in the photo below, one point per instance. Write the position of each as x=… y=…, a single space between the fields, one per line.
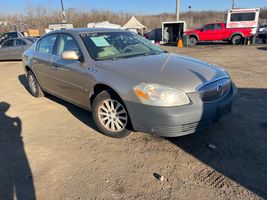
x=171 y=70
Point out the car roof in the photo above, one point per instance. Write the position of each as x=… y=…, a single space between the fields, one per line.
x=20 y=38
x=84 y=30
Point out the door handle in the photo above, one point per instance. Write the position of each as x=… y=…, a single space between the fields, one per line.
x=54 y=67
x=58 y=67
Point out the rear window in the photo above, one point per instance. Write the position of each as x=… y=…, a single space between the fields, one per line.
x=235 y=17
x=20 y=43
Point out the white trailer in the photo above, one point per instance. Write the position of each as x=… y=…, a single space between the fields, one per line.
x=104 y=24
x=243 y=18
x=172 y=31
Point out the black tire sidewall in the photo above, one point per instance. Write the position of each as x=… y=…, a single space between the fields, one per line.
x=236 y=37
x=194 y=41
x=104 y=95
x=38 y=92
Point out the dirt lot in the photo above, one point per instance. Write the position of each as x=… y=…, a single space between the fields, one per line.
x=49 y=149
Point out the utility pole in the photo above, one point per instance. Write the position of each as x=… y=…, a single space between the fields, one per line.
x=233 y=4
x=63 y=12
x=189 y=15
x=177 y=10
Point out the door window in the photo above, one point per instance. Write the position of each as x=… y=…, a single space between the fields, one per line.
x=46 y=44
x=210 y=27
x=219 y=26
x=66 y=43
x=20 y=43
x=9 y=43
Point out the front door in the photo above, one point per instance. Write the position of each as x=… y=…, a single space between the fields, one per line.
x=6 y=52
x=68 y=74
x=207 y=33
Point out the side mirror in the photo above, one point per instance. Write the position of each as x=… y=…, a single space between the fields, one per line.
x=70 y=55
x=202 y=29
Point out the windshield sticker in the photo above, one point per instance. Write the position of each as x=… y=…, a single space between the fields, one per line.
x=100 y=41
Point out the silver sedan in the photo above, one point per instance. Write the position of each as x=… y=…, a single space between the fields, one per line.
x=12 y=49
x=128 y=83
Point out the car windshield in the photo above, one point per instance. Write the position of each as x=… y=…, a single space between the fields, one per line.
x=116 y=45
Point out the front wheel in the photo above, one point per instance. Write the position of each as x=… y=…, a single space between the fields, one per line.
x=110 y=115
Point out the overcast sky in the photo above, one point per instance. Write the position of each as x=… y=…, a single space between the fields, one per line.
x=135 y=6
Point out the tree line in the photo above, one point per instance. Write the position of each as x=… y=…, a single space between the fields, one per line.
x=38 y=17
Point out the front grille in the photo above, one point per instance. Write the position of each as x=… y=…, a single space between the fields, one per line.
x=216 y=90
x=183 y=128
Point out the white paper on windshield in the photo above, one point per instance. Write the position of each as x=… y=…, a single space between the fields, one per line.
x=100 y=41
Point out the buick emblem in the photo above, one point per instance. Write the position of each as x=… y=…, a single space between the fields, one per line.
x=220 y=89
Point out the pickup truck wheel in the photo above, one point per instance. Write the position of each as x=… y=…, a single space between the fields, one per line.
x=110 y=115
x=34 y=86
x=236 y=40
x=192 y=41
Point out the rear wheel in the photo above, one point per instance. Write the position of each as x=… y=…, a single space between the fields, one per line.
x=34 y=86
x=192 y=41
x=236 y=40
x=110 y=115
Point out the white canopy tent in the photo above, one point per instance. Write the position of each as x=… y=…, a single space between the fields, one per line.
x=134 y=24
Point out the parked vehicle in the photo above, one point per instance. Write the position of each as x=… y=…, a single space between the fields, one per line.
x=12 y=49
x=127 y=82
x=9 y=35
x=241 y=23
x=262 y=32
x=218 y=32
x=154 y=34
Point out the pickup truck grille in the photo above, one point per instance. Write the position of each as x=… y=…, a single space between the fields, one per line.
x=216 y=90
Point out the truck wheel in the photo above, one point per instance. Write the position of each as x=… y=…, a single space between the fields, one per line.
x=192 y=41
x=236 y=40
x=110 y=115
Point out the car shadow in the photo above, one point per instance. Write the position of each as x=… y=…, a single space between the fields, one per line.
x=262 y=48
x=81 y=114
x=236 y=146
x=16 y=180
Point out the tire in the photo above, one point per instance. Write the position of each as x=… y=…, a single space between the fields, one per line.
x=34 y=86
x=110 y=115
x=192 y=41
x=236 y=40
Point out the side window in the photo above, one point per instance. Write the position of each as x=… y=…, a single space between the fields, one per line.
x=209 y=27
x=12 y=35
x=3 y=37
x=219 y=26
x=46 y=44
x=243 y=17
x=66 y=43
x=20 y=43
x=9 y=43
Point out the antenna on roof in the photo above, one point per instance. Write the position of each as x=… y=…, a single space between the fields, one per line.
x=233 y=4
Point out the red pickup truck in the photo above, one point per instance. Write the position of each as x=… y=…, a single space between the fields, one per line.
x=218 y=32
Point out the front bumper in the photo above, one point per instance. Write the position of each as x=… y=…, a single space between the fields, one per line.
x=178 y=121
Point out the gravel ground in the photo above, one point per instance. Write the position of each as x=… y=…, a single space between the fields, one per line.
x=49 y=149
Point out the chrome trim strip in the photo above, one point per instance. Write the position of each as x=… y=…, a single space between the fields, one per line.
x=211 y=81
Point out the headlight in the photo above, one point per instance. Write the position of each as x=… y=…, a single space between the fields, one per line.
x=157 y=95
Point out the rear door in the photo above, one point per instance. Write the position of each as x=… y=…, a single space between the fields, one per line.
x=42 y=62
x=219 y=32
x=69 y=74
x=207 y=34
x=19 y=48
x=6 y=52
